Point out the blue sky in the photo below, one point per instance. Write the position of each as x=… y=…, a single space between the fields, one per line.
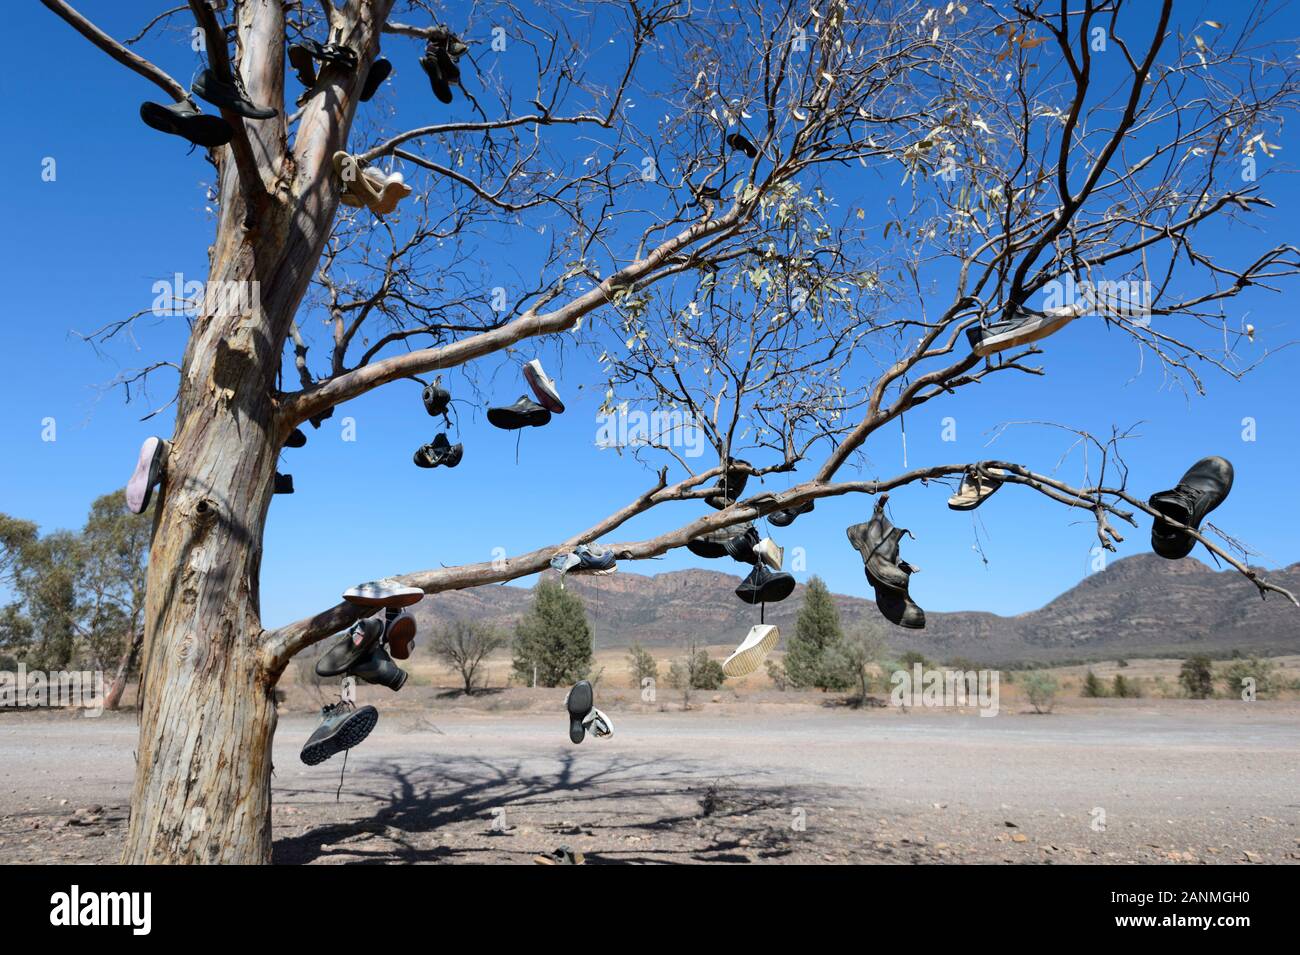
x=128 y=208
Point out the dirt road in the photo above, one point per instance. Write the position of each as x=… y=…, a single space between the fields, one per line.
x=1131 y=781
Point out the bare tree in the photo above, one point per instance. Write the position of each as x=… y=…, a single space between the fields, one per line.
x=713 y=276
x=464 y=645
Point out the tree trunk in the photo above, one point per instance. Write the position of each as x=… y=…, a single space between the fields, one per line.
x=203 y=775
x=113 y=698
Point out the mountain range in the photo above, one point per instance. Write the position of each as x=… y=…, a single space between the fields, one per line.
x=1138 y=606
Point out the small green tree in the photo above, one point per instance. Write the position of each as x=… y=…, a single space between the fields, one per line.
x=816 y=632
x=847 y=663
x=1092 y=687
x=1197 y=677
x=1123 y=689
x=1040 y=689
x=776 y=673
x=1262 y=675
x=553 y=637
x=642 y=664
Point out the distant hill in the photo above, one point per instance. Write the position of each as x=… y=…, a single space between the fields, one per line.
x=1139 y=606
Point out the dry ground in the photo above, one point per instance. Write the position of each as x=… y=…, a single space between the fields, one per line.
x=495 y=779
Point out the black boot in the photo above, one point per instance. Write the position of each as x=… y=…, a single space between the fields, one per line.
x=351 y=648
x=579 y=702
x=229 y=96
x=183 y=119
x=436 y=399
x=378 y=668
x=786 y=517
x=342 y=726
x=729 y=487
x=377 y=73
x=1201 y=490
x=283 y=483
x=764 y=586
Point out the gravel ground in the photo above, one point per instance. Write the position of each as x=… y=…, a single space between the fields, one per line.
x=1177 y=781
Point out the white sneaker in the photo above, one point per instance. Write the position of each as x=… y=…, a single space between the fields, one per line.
x=770 y=553
x=758 y=643
x=543 y=387
x=598 y=724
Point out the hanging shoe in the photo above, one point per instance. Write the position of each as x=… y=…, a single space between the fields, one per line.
x=1203 y=488
x=784 y=518
x=975 y=488
x=440 y=62
x=585 y=559
x=436 y=398
x=543 y=387
x=770 y=554
x=758 y=643
x=1022 y=327
x=764 y=586
x=399 y=633
x=877 y=542
x=439 y=451
x=149 y=469
x=385 y=592
x=579 y=702
x=377 y=667
x=342 y=726
x=304 y=65
x=351 y=648
x=729 y=487
x=283 y=483
x=741 y=144
x=377 y=73
x=365 y=190
x=184 y=119
x=317 y=419
x=393 y=190
x=524 y=413
x=741 y=547
x=598 y=724
x=296 y=439
x=229 y=96
x=713 y=544
x=899 y=609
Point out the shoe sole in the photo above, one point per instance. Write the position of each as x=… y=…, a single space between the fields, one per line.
x=147 y=474
x=401 y=635
x=508 y=421
x=547 y=396
x=1022 y=336
x=376 y=75
x=578 y=709
x=369 y=598
x=744 y=660
x=210 y=132
x=350 y=733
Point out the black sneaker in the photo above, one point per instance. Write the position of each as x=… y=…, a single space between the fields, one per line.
x=524 y=413
x=184 y=119
x=304 y=65
x=784 y=518
x=342 y=726
x=714 y=544
x=439 y=451
x=729 y=487
x=229 y=96
x=436 y=399
x=1201 y=490
x=741 y=144
x=764 y=586
x=351 y=648
x=440 y=61
x=741 y=547
x=378 y=667
x=296 y=439
x=377 y=73
x=579 y=702
x=148 y=474
x=283 y=483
